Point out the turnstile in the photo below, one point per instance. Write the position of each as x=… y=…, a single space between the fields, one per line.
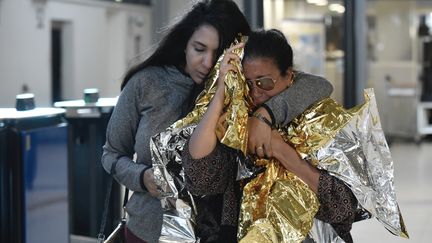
x=33 y=184
x=87 y=122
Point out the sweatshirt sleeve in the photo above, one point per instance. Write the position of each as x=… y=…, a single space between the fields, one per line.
x=118 y=151
x=305 y=91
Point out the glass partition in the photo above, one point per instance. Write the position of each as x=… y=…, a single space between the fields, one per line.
x=314 y=29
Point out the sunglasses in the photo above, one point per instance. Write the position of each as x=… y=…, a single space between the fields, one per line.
x=264 y=83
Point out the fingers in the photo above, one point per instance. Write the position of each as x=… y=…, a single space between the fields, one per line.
x=268 y=152
x=230 y=55
x=239 y=45
x=150 y=183
x=228 y=58
x=259 y=138
x=227 y=66
x=259 y=151
x=264 y=151
x=251 y=147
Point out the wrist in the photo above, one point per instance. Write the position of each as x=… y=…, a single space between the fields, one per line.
x=264 y=119
x=142 y=175
x=220 y=92
x=267 y=112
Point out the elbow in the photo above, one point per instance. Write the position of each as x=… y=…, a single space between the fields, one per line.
x=328 y=88
x=106 y=162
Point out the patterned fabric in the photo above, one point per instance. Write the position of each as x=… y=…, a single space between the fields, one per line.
x=212 y=175
x=338 y=205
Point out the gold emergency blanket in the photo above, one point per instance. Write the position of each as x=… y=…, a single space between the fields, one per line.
x=177 y=203
x=276 y=207
x=232 y=131
x=350 y=144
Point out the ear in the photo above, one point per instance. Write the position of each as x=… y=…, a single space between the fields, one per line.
x=289 y=77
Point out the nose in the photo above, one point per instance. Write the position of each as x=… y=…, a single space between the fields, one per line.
x=255 y=93
x=208 y=60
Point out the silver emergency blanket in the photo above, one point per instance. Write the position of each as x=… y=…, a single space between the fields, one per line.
x=180 y=210
x=358 y=154
x=324 y=232
x=177 y=203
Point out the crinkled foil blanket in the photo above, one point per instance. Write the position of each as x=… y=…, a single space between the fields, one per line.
x=277 y=206
x=350 y=144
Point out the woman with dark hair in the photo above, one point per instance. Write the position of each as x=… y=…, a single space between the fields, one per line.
x=268 y=69
x=222 y=15
x=155 y=94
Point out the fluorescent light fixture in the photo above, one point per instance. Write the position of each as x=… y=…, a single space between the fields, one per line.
x=318 y=2
x=336 y=7
x=322 y=3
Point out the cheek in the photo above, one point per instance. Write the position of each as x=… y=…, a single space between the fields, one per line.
x=264 y=98
x=192 y=60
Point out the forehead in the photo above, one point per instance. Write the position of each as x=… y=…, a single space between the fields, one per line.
x=205 y=35
x=255 y=67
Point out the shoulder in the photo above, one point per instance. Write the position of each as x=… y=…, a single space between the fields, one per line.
x=158 y=76
x=302 y=76
x=313 y=81
x=148 y=75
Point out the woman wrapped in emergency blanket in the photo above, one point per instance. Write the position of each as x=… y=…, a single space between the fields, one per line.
x=213 y=190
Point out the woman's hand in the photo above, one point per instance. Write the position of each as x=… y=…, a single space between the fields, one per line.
x=259 y=136
x=226 y=64
x=150 y=184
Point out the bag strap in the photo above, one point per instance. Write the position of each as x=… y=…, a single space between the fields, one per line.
x=101 y=235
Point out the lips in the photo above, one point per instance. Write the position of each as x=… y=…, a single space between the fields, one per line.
x=201 y=75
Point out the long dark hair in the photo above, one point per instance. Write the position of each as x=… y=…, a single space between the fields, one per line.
x=270 y=44
x=223 y=15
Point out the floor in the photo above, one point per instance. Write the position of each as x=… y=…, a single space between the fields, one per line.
x=412 y=171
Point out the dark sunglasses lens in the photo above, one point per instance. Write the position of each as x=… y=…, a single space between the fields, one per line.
x=249 y=83
x=265 y=83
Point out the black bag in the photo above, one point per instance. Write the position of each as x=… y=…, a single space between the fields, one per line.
x=118 y=234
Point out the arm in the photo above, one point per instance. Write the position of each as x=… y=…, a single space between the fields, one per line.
x=337 y=203
x=282 y=108
x=204 y=139
x=289 y=158
x=120 y=140
x=207 y=163
x=305 y=91
x=122 y=131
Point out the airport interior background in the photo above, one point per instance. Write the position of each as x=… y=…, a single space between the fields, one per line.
x=72 y=54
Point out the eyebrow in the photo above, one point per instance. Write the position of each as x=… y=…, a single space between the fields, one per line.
x=261 y=76
x=199 y=43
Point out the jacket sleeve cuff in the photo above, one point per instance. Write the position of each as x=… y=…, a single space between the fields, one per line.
x=142 y=178
x=272 y=117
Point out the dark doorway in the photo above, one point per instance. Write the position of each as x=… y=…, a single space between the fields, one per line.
x=56 y=62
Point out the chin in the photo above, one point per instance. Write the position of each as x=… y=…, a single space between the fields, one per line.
x=198 y=80
x=257 y=103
